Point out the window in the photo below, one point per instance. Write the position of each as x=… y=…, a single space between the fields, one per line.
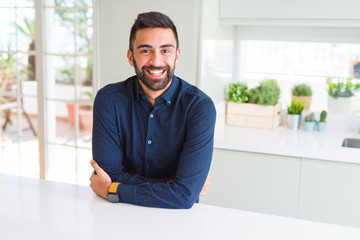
x=69 y=88
x=18 y=95
x=299 y=62
x=298 y=55
x=67 y=54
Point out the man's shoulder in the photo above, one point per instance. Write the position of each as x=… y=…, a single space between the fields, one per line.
x=191 y=92
x=123 y=87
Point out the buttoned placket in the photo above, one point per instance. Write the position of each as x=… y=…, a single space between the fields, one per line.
x=149 y=141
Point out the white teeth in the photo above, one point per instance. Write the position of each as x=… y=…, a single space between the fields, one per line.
x=156 y=73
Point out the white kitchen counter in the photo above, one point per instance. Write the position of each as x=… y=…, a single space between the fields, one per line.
x=37 y=209
x=287 y=142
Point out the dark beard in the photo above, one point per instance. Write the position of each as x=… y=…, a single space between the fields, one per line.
x=152 y=84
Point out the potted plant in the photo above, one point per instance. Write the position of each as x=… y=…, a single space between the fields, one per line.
x=86 y=114
x=321 y=125
x=237 y=92
x=309 y=123
x=341 y=92
x=257 y=107
x=302 y=92
x=294 y=114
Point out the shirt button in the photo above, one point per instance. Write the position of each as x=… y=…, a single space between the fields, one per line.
x=149 y=141
x=151 y=115
x=169 y=102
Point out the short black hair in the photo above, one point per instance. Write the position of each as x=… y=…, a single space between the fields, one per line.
x=151 y=20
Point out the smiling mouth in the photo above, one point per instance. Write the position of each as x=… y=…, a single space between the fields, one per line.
x=156 y=73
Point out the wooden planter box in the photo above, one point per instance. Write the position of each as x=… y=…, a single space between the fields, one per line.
x=253 y=115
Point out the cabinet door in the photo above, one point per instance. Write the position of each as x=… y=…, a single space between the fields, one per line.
x=254 y=182
x=330 y=192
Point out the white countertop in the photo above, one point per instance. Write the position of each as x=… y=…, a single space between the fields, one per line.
x=287 y=142
x=38 y=209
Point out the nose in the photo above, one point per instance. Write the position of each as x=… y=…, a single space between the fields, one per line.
x=156 y=59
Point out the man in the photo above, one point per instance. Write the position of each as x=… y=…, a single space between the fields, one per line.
x=153 y=133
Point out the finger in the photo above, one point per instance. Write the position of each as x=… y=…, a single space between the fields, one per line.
x=95 y=166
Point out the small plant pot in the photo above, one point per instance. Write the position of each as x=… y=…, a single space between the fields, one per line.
x=321 y=126
x=294 y=121
x=309 y=126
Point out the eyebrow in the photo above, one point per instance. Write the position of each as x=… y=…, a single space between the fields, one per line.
x=149 y=46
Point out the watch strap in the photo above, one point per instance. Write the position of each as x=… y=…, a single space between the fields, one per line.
x=113 y=187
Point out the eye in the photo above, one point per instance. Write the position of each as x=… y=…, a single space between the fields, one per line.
x=166 y=51
x=145 y=51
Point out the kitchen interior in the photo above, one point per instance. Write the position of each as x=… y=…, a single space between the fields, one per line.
x=261 y=162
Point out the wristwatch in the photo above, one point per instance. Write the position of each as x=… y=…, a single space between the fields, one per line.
x=113 y=193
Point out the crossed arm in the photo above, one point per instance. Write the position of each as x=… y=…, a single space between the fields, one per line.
x=101 y=181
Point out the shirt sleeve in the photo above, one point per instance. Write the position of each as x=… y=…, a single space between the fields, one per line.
x=106 y=147
x=193 y=167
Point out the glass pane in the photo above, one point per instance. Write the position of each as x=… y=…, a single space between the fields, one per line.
x=25 y=26
x=7 y=3
x=60 y=77
x=25 y=3
x=84 y=31
x=60 y=31
x=7 y=33
x=60 y=3
x=9 y=155
x=26 y=67
x=27 y=70
x=19 y=144
x=8 y=77
x=83 y=166
x=62 y=165
x=84 y=3
x=29 y=158
x=61 y=119
x=85 y=69
x=86 y=123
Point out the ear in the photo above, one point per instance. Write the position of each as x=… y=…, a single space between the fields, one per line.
x=130 y=57
x=177 y=56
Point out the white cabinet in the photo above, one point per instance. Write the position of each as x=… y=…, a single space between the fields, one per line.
x=317 y=190
x=254 y=182
x=330 y=192
x=283 y=12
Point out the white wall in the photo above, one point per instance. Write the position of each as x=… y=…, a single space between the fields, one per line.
x=115 y=21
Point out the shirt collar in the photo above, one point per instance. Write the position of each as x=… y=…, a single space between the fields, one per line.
x=168 y=96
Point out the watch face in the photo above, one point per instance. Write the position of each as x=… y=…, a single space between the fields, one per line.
x=114 y=198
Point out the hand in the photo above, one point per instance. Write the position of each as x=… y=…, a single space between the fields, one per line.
x=206 y=186
x=99 y=182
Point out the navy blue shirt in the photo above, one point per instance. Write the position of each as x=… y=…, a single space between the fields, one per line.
x=160 y=154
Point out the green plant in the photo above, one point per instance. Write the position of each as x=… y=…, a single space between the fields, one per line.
x=237 y=92
x=323 y=116
x=310 y=118
x=340 y=87
x=267 y=93
x=296 y=107
x=301 y=90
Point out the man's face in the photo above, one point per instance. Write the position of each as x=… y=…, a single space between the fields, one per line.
x=154 y=57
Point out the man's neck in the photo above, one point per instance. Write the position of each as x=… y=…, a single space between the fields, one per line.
x=153 y=95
